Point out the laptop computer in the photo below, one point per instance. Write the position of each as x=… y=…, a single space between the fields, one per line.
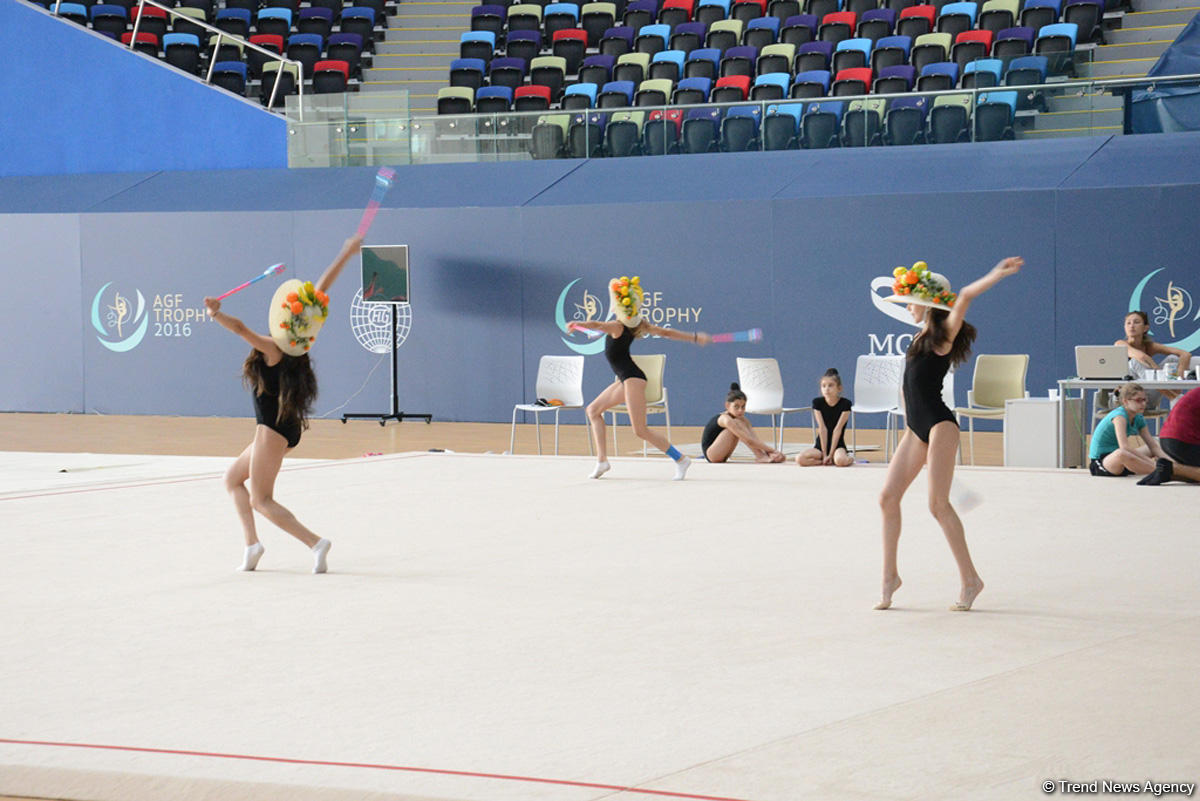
x=1101 y=361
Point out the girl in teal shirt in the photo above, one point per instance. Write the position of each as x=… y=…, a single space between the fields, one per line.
x=1111 y=453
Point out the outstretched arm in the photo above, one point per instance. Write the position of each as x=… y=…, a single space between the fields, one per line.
x=610 y=327
x=1003 y=269
x=695 y=337
x=263 y=344
x=349 y=248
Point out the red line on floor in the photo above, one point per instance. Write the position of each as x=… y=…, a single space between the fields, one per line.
x=325 y=763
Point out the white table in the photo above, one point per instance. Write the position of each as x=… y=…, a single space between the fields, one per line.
x=1083 y=385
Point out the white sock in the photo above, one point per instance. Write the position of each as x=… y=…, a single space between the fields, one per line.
x=319 y=550
x=681 y=468
x=253 y=554
x=600 y=469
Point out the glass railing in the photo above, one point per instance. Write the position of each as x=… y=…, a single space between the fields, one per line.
x=376 y=128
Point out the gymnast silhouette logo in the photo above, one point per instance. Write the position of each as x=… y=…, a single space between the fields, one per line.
x=582 y=307
x=1169 y=305
x=119 y=326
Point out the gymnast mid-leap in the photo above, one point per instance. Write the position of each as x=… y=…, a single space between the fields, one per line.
x=284 y=386
x=626 y=296
x=945 y=339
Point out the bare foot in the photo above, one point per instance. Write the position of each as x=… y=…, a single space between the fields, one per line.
x=763 y=457
x=968 y=595
x=777 y=457
x=889 y=587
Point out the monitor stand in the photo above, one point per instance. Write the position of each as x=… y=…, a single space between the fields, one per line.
x=395 y=413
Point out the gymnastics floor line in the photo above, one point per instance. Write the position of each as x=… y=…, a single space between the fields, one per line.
x=499 y=628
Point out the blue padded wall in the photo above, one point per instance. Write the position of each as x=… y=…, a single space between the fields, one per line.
x=75 y=102
x=789 y=242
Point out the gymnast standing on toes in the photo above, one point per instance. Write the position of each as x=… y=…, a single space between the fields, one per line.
x=626 y=295
x=945 y=339
x=281 y=379
x=725 y=430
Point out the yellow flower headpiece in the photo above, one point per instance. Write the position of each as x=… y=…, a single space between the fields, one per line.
x=625 y=296
x=920 y=285
x=298 y=310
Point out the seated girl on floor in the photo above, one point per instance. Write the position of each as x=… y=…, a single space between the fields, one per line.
x=725 y=430
x=830 y=413
x=1111 y=453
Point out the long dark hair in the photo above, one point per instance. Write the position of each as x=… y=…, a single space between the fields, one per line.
x=935 y=334
x=297 y=385
x=1145 y=343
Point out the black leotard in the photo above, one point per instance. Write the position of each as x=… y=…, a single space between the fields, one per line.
x=923 y=404
x=831 y=415
x=616 y=350
x=712 y=430
x=266 y=406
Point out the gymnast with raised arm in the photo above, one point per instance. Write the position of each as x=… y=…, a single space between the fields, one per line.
x=283 y=385
x=626 y=298
x=931 y=438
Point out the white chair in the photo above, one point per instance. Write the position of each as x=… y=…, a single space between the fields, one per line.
x=998 y=378
x=896 y=418
x=560 y=378
x=877 y=386
x=763 y=385
x=652 y=365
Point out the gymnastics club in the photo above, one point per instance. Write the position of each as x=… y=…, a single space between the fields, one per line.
x=383 y=182
x=274 y=269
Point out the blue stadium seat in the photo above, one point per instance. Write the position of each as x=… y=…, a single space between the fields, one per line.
x=315 y=20
x=821 y=124
x=739 y=129
x=467 y=72
x=761 y=31
x=477 y=44
x=772 y=86
x=994 y=115
x=890 y=51
x=615 y=94
x=667 y=64
x=690 y=91
x=850 y=53
x=230 y=76
x=982 y=73
x=781 y=126
x=617 y=41
x=182 y=50
x=938 y=77
x=700 y=131
x=580 y=96
x=810 y=83
x=493 y=99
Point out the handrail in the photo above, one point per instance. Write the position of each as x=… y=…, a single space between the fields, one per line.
x=975 y=91
x=217 y=45
x=222 y=34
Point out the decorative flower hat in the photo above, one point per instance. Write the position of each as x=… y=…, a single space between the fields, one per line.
x=298 y=311
x=922 y=287
x=625 y=300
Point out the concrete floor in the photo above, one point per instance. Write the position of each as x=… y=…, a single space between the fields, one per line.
x=496 y=628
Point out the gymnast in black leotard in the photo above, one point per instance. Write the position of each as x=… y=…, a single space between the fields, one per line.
x=283 y=387
x=628 y=323
x=725 y=430
x=945 y=339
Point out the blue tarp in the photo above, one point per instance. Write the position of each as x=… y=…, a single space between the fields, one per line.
x=1171 y=108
